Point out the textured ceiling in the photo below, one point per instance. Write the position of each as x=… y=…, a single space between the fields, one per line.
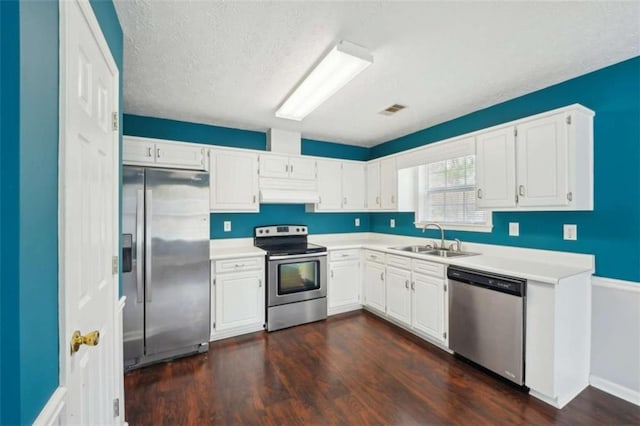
x=233 y=63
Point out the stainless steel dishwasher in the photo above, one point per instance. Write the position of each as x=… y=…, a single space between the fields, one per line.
x=487 y=320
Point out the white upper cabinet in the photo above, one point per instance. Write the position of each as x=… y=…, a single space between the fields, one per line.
x=329 y=184
x=353 y=186
x=542 y=165
x=233 y=181
x=281 y=166
x=373 y=185
x=145 y=151
x=382 y=184
x=544 y=162
x=495 y=168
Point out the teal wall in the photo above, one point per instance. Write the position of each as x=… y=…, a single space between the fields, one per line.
x=29 y=272
x=612 y=230
x=242 y=224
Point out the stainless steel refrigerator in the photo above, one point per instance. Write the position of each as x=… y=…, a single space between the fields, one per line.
x=165 y=264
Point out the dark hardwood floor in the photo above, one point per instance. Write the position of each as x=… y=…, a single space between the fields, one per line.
x=350 y=369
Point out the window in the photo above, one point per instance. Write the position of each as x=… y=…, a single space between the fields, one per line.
x=447 y=195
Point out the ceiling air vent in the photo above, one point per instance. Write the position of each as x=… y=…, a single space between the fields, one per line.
x=393 y=109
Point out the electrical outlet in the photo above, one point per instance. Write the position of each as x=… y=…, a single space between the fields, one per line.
x=392 y=223
x=227 y=226
x=514 y=229
x=357 y=221
x=570 y=232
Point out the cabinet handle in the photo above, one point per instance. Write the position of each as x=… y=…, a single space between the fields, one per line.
x=377 y=201
x=406 y=284
x=479 y=193
x=286 y=168
x=239 y=265
x=344 y=255
x=569 y=196
x=319 y=200
x=521 y=190
x=157 y=152
x=413 y=285
x=344 y=201
x=291 y=168
x=332 y=273
x=393 y=199
x=254 y=199
x=260 y=283
x=381 y=276
x=149 y=152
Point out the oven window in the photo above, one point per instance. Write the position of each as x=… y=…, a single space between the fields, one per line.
x=297 y=277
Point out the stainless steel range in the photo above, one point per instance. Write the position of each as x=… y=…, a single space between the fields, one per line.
x=296 y=276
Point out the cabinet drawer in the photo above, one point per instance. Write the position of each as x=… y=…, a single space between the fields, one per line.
x=428 y=268
x=374 y=256
x=337 y=255
x=239 y=264
x=399 y=261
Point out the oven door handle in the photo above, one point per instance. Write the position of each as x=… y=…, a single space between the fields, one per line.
x=297 y=256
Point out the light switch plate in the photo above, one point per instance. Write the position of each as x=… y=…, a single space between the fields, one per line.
x=392 y=223
x=357 y=221
x=514 y=229
x=570 y=232
x=227 y=226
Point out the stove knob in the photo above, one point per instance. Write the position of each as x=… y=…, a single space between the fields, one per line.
x=297 y=229
x=304 y=229
x=260 y=231
x=266 y=231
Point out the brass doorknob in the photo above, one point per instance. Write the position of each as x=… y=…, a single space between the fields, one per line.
x=90 y=339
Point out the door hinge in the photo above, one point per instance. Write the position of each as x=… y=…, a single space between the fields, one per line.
x=114 y=265
x=114 y=121
x=116 y=407
x=568 y=119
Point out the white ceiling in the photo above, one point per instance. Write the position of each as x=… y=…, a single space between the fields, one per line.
x=232 y=63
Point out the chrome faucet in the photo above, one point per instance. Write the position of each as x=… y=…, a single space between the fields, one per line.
x=424 y=228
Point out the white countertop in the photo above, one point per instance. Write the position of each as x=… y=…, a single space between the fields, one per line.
x=538 y=265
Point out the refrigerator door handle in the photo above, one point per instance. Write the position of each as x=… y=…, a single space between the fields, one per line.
x=139 y=242
x=147 y=244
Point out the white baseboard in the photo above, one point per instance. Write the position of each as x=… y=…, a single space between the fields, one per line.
x=219 y=335
x=50 y=414
x=614 y=389
x=343 y=309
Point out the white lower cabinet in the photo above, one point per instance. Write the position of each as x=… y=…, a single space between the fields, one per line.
x=374 y=282
x=238 y=297
x=343 y=293
x=399 y=294
x=428 y=305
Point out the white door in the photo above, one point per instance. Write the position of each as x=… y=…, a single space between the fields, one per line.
x=399 y=294
x=373 y=185
x=374 y=286
x=542 y=162
x=344 y=284
x=88 y=198
x=353 y=186
x=180 y=155
x=428 y=305
x=239 y=300
x=234 y=181
x=302 y=168
x=495 y=169
x=329 y=184
x=388 y=184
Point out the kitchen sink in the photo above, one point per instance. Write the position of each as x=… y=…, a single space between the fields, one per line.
x=429 y=251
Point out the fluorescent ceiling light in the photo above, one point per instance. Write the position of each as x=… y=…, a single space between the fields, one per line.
x=342 y=63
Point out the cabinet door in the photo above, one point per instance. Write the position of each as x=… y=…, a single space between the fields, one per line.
x=542 y=168
x=274 y=166
x=329 y=184
x=399 y=294
x=239 y=300
x=374 y=286
x=373 y=185
x=353 y=186
x=234 y=181
x=302 y=168
x=428 y=305
x=137 y=151
x=388 y=184
x=495 y=169
x=180 y=155
x=344 y=284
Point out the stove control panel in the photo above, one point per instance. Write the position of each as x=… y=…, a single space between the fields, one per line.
x=280 y=230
